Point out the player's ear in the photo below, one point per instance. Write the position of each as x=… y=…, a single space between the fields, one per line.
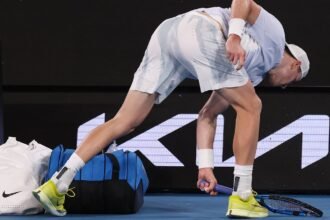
x=295 y=65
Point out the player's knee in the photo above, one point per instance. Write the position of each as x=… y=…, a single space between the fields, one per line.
x=252 y=106
x=125 y=124
x=256 y=105
x=130 y=125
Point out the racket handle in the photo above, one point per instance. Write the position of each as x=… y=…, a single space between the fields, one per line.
x=221 y=189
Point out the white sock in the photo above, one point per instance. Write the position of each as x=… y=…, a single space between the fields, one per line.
x=243 y=181
x=64 y=177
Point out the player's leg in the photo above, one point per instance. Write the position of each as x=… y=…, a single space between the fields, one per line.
x=203 y=50
x=248 y=109
x=134 y=110
x=158 y=74
x=205 y=133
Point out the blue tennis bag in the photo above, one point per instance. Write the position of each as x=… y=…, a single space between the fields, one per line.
x=108 y=183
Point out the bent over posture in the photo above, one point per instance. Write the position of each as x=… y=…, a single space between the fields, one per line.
x=229 y=51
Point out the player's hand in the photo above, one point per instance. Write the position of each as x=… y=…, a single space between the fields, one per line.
x=207 y=181
x=235 y=52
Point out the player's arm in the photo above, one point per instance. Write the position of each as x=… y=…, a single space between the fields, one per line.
x=206 y=128
x=242 y=12
x=247 y=10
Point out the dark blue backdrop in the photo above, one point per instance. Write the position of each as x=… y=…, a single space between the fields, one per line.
x=101 y=42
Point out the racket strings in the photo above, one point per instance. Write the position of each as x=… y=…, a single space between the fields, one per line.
x=288 y=204
x=281 y=205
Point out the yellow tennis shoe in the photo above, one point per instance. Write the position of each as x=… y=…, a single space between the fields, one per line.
x=49 y=197
x=250 y=208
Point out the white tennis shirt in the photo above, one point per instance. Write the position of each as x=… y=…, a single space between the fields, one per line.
x=264 y=41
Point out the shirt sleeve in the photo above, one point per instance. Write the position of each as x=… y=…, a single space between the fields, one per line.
x=269 y=34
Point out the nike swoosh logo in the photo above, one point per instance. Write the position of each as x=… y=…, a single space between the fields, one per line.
x=5 y=195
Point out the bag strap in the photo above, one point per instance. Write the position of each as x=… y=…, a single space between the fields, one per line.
x=115 y=166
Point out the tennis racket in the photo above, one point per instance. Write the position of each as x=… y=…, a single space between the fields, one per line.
x=280 y=204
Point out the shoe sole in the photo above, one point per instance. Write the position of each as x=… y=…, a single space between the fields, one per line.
x=240 y=213
x=46 y=203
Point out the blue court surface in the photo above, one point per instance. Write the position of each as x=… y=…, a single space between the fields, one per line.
x=189 y=206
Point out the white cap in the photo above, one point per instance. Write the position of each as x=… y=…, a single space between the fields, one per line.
x=300 y=55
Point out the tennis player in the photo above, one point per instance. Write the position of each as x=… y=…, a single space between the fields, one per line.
x=229 y=51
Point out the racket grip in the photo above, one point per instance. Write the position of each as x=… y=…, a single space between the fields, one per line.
x=221 y=189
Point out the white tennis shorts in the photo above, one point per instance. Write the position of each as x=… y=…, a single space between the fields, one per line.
x=187 y=46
